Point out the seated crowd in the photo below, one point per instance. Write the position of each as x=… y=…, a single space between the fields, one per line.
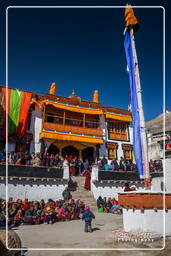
x=109 y=205
x=37 y=212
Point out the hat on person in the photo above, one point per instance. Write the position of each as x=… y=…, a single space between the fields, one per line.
x=87 y=208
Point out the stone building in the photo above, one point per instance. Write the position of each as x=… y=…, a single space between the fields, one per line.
x=156 y=136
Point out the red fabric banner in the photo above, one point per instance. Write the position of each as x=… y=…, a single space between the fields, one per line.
x=25 y=105
x=5 y=98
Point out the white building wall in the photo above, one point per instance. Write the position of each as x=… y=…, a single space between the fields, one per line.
x=157 y=184
x=167 y=163
x=147 y=221
x=35 y=129
x=154 y=150
x=163 y=183
x=33 y=190
x=110 y=189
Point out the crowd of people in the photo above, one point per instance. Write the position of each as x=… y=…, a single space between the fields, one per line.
x=155 y=166
x=37 y=212
x=76 y=165
x=115 y=165
x=109 y=205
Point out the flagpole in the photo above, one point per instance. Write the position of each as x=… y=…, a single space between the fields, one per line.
x=141 y=111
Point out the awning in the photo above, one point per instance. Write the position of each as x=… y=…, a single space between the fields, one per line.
x=70 y=107
x=121 y=117
x=47 y=134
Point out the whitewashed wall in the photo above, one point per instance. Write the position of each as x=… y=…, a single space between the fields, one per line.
x=163 y=183
x=33 y=190
x=168 y=174
x=110 y=189
x=148 y=221
x=35 y=128
x=157 y=184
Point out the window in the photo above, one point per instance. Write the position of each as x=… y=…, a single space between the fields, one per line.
x=127 y=151
x=118 y=130
x=50 y=118
x=112 y=150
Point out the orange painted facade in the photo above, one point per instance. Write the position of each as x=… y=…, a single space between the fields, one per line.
x=145 y=200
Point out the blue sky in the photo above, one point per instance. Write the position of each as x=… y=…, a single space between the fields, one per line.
x=83 y=49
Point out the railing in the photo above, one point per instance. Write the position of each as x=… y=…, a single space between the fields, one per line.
x=71 y=128
x=32 y=171
x=60 y=119
x=117 y=136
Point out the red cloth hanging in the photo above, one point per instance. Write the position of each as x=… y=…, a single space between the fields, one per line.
x=25 y=105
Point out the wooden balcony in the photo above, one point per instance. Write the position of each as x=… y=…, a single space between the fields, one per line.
x=71 y=128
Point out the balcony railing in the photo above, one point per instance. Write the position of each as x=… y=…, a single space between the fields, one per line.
x=71 y=128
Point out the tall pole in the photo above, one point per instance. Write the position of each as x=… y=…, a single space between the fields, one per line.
x=141 y=111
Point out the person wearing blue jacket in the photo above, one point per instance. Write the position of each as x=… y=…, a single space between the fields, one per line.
x=87 y=217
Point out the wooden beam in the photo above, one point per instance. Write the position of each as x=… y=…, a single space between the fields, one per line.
x=64 y=117
x=83 y=120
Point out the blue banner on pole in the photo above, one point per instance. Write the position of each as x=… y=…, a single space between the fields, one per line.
x=137 y=142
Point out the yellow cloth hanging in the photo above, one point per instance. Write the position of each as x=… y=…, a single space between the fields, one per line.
x=130 y=19
x=70 y=137
x=118 y=117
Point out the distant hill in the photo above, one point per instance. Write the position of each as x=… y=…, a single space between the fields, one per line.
x=156 y=125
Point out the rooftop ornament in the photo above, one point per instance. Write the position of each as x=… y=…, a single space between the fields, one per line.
x=52 y=89
x=96 y=96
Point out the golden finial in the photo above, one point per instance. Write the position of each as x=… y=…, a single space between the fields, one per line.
x=52 y=89
x=96 y=96
x=73 y=92
x=130 y=19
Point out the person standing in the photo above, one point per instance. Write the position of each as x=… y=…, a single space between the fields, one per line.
x=87 y=217
x=87 y=175
x=103 y=162
x=66 y=194
x=122 y=164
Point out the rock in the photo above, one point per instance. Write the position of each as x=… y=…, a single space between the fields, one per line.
x=13 y=242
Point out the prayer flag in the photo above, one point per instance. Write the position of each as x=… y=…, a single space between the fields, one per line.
x=16 y=104
x=137 y=141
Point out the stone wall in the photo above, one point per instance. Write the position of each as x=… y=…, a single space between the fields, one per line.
x=105 y=189
x=34 y=183
x=33 y=190
x=31 y=171
x=110 y=183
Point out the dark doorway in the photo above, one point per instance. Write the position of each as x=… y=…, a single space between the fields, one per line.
x=70 y=151
x=88 y=153
x=53 y=149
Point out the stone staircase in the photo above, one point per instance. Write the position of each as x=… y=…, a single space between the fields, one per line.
x=83 y=194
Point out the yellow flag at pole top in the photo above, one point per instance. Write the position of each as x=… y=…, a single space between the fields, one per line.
x=130 y=19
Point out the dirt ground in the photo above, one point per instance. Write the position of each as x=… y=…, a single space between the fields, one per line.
x=71 y=235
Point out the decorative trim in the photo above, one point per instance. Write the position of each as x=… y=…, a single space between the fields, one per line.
x=116 y=116
x=32 y=179
x=71 y=136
